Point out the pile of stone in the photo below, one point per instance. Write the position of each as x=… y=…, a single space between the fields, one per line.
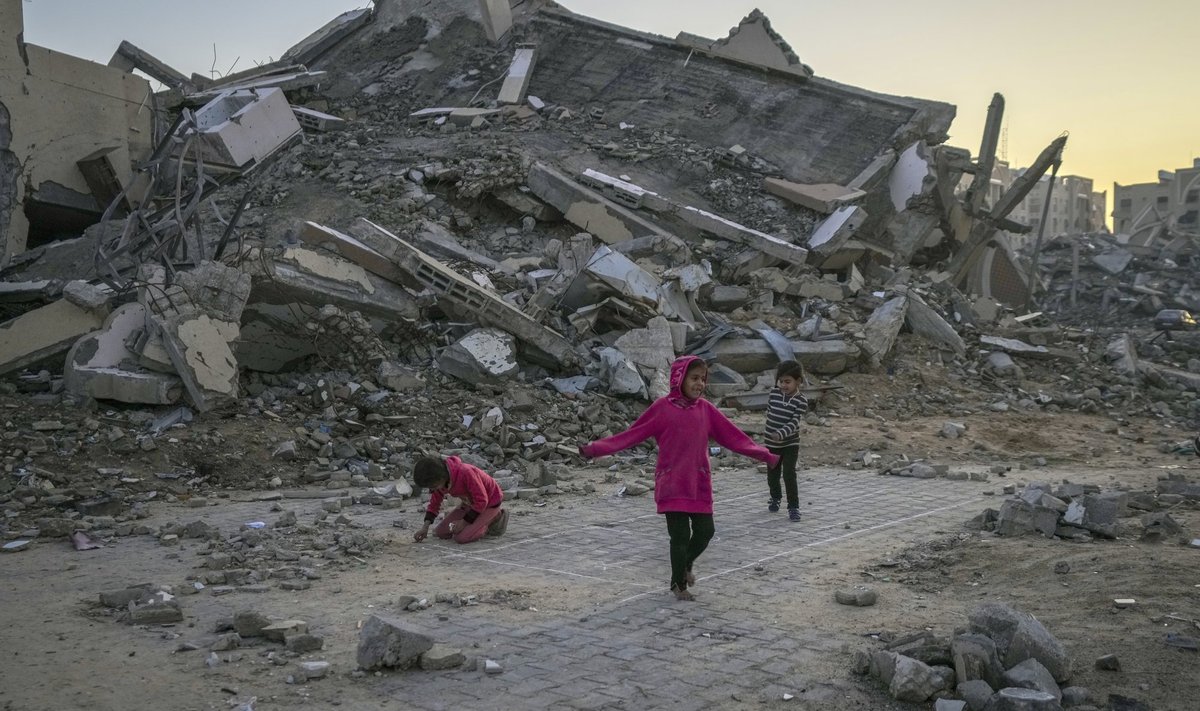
x=1006 y=660
x=1083 y=512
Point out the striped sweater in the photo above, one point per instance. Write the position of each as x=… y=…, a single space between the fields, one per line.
x=784 y=415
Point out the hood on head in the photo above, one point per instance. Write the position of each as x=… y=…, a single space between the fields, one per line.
x=678 y=372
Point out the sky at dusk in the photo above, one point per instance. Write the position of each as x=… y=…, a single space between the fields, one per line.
x=1119 y=76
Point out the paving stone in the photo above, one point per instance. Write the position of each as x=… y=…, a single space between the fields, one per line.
x=384 y=642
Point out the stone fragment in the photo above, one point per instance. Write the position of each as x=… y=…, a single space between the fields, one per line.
x=976 y=693
x=120 y=599
x=483 y=356
x=249 y=623
x=158 y=612
x=303 y=643
x=1019 y=636
x=1108 y=662
x=398 y=378
x=1030 y=674
x=975 y=658
x=914 y=680
x=314 y=670
x=279 y=631
x=227 y=642
x=949 y=705
x=441 y=656
x=1073 y=696
x=1015 y=699
x=857 y=596
x=492 y=667
x=384 y=643
x=953 y=430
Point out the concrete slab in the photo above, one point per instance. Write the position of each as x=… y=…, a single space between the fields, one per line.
x=822 y=197
x=755 y=356
x=200 y=349
x=835 y=231
x=587 y=209
x=311 y=48
x=44 y=333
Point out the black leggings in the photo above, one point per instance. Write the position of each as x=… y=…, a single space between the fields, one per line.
x=787 y=468
x=690 y=534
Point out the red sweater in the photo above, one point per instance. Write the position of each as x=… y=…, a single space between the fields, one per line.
x=473 y=485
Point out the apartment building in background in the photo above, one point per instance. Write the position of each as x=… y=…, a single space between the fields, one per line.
x=1173 y=202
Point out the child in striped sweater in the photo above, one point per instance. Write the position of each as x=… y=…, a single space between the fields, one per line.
x=785 y=411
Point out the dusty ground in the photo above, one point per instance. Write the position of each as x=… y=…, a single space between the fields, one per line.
x=62 y=651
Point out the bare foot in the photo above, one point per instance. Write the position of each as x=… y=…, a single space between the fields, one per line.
x=682 y=594
x=691 y=579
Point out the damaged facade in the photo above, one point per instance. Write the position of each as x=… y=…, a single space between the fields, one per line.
x=533 y=194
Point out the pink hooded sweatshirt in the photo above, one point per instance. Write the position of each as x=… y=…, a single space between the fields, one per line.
x=682 y=428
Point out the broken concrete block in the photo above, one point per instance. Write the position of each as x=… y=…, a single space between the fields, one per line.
x=485 y=355
x=241 y=129
x=520 y=72
x=857 y=596
x=1019 y=636
x=1014 y=699
x=200 y=350
x=1030 y=674
x=914 y=680
x=622 y=376
x=883 y=327
x=441 y=656
x=610 y=271
x=831 y=235
x=723 y=381
x=1123 y=355
x=278 y=631
x=753 y=42
x=928 y=324
x=497 y=18
x=821 y=197
x=316 y=278
x=101 y=366
x=399 y=378
x=755 y=356
x=587 y=209
x=1159 y=526
x=385 y=643
x=1113 y=261
x=1018 y=518
x=975 y=658
x=88 y=296
x=44 y=333
x=725 y=298
x=976 y=693
x=652 y=350
x=813 y=288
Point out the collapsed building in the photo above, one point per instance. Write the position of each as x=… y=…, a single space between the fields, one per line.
x=502 y=191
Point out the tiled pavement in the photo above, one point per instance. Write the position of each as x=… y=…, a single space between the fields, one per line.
x=639 y=649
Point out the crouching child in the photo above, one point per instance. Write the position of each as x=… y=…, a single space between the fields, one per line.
x=481 y=511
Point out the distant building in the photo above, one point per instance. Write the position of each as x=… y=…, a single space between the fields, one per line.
x=1075 y=208
x=1173 y=202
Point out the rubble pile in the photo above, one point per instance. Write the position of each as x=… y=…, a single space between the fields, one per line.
x=1005 y=661
x=1079 y=512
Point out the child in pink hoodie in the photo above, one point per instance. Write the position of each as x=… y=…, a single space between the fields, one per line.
x=682 y=424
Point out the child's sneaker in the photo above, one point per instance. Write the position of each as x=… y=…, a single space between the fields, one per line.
x=499 y=525
x=773 y=505
x=794 y=514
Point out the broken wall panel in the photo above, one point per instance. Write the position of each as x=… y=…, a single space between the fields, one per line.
x=94 y=107
x=44 y=333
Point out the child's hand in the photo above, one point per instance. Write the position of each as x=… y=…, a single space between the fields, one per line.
x=421 y=533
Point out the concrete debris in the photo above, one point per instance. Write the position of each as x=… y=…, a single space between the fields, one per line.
x=1007 y=660
x=482 y=356
x=384 y=643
